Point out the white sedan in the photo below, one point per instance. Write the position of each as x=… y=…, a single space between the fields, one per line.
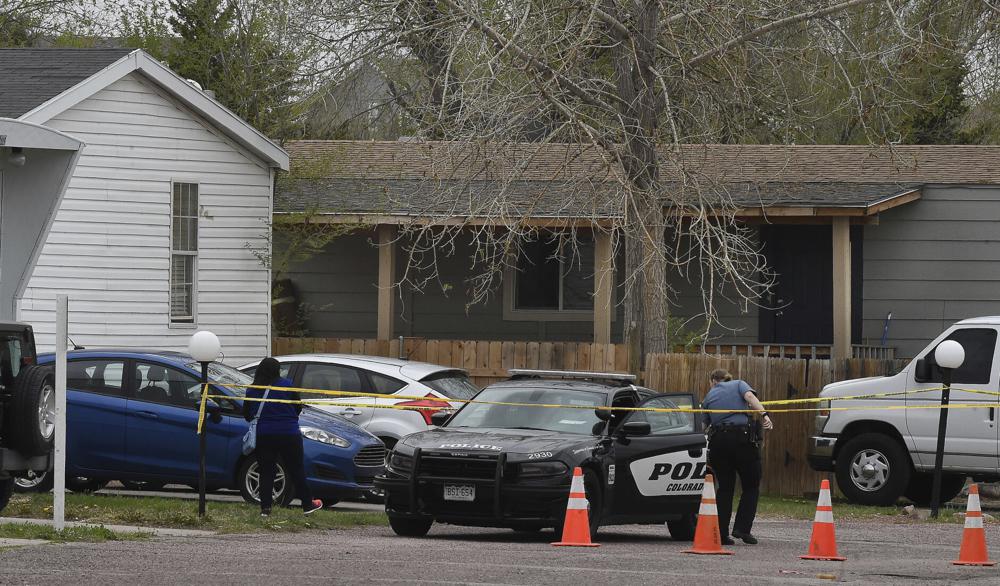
x=398 y=382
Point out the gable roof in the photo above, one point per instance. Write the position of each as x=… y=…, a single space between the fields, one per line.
x=45 y=96
x=31 y=77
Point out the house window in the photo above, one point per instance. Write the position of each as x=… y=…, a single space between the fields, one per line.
x=552 y=280
x=183 y=252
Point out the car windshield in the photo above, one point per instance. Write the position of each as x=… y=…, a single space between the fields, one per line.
x=227 y=375
x=576 y=416
x=453 y=384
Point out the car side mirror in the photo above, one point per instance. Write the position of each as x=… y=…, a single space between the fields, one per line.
x=635 y=428
x=603 y=414
x=598 y=428
x=922 y=372
x=214 y=411
x=439 y=418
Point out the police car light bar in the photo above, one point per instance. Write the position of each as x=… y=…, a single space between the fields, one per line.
x=625 y=378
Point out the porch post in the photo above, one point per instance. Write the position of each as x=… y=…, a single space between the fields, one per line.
x=841 y=288
x=604 y=282
x=386 y=281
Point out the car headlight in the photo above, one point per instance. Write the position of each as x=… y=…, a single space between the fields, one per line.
x=399 y=463
x=324 y=437
x=538 y=469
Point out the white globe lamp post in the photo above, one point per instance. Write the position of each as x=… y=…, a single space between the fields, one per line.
x=948 y=355
x=204 y=347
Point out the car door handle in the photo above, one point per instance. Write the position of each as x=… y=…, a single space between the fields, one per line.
x=695 y=452
x=350 y=412
x=147 y=415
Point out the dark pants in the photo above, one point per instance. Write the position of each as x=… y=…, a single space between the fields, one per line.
x=731 y=453
x=289 y=449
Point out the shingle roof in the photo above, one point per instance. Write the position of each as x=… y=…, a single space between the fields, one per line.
x=31 y=77
x=452 y=179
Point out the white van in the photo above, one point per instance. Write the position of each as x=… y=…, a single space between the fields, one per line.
x=880 y=455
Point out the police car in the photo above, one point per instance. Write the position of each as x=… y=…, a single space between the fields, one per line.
x=502 y=461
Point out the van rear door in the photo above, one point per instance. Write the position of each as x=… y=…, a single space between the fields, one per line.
x=972 y=442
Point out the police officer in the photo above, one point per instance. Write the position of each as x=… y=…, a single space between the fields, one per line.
x=733 y=448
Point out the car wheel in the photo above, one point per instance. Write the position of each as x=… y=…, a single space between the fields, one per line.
x=84 y=484
x=683 y=529
x=595 y=502
x=33 y=481
x=31 y=414
x=6 y=490
x=873 y=469
x=921 y=485
x=249 y=479
x=406 y=527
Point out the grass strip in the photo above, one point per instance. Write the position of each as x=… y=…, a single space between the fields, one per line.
x=48 y=533
x=183 y=514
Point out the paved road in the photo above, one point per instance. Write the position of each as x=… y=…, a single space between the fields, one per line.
x=887 y=554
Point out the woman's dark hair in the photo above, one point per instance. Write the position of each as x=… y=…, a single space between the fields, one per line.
x=268 y=371
x=720 y=375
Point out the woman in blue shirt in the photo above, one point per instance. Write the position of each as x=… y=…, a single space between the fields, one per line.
x=278 y=434
x=732 y=451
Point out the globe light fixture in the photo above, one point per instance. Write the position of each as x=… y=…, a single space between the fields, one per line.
x=949 y=354
x=204 y=346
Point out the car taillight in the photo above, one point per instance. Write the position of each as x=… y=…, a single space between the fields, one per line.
x=427 y=407
x=27 y=360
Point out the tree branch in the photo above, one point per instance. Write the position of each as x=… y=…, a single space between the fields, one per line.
x=775 y=25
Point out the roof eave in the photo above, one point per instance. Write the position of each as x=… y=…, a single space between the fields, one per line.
x=138 y=60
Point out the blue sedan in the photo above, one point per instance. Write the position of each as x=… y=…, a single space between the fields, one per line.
x=132 y=416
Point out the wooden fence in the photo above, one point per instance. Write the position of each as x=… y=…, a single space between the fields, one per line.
x=786 y=471
x=486 y=361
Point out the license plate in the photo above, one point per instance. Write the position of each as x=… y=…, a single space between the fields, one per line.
x=460 y=492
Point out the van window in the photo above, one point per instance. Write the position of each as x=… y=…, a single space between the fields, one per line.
x=980 y=345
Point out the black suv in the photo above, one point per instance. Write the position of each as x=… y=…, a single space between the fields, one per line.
x=506 y=459
x=27 y=407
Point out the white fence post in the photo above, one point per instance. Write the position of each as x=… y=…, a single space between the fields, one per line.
x=59 y=466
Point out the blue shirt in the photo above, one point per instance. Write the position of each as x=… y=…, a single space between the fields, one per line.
x=275 y=418
x=727 y=395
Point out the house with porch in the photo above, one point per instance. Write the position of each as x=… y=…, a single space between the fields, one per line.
x=141 y=198
x=872 y=246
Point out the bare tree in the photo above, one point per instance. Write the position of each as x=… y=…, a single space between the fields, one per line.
x=600 y=96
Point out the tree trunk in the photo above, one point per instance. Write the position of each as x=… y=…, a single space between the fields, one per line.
x=634 y=62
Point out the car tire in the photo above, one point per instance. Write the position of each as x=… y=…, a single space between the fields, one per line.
x=407 y=527
x=683 y=529
x=249 y=482
x=6 y=490
x=33 y=481
x=595 y=502
x=921 y=485
x=873 y=469
x=30 y=415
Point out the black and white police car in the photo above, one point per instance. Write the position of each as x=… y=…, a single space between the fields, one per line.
x=497 y=465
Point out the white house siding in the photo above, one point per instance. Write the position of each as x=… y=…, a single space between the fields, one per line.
x=109 y=248
x=931 y=263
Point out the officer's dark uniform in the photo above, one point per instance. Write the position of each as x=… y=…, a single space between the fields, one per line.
x=732 y=450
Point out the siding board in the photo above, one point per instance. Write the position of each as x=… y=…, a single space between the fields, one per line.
x=109 y=246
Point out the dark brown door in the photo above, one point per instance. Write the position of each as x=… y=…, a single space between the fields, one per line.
x=801 y=303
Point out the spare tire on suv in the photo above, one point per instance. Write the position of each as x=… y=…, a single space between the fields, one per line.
x=29 y=417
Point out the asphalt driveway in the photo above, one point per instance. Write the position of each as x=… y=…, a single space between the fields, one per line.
x=886 y=553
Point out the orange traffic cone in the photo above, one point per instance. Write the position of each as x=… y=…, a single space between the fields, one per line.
x=576 y=529
x=973 y=552
x=823 y=543
x=707 y=539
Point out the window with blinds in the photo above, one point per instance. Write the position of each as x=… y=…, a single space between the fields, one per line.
x=183 y=251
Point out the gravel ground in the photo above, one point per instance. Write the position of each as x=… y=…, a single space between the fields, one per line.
x=629 y=555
